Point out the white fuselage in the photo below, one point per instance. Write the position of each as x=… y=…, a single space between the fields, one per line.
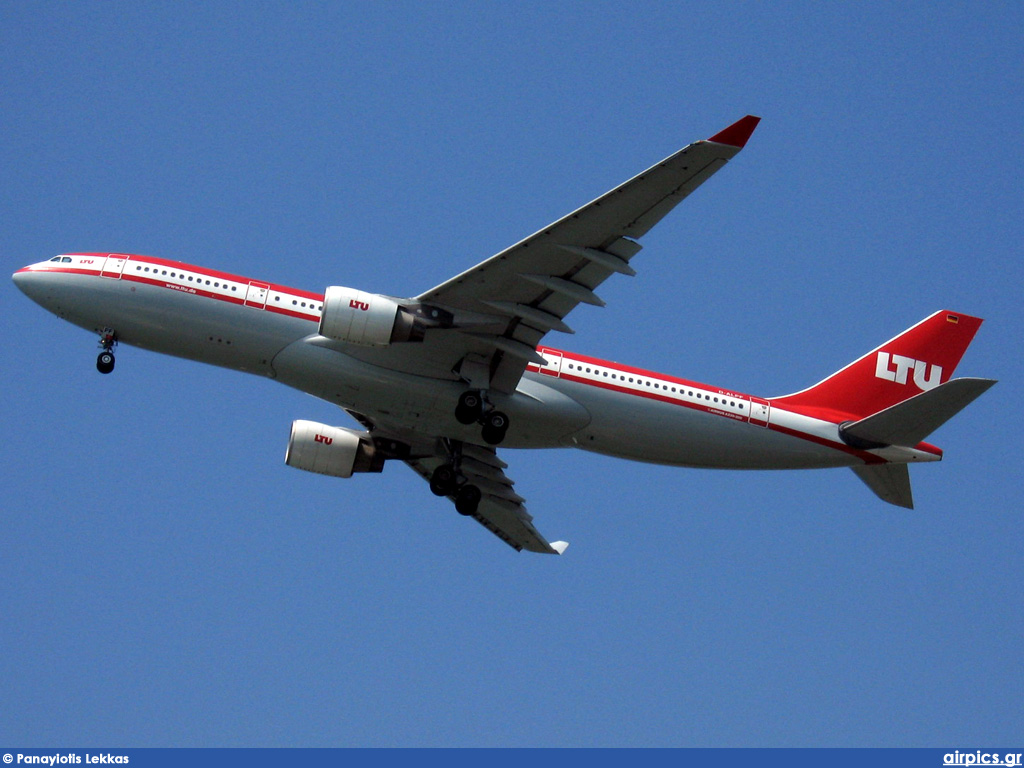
x=272 y=330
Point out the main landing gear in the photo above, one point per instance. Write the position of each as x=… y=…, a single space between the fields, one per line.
x=447 y=480
x=108 y=341
x=473 y=407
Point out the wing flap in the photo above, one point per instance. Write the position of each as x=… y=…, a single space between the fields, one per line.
x=501 y=510
x=561 y=265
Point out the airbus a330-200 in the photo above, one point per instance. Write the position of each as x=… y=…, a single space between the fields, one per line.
x=441 y=380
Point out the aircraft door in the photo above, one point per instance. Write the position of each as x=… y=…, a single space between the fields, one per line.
x=113 y=266
x=760 y=411
x=554 y=364
x=256 y=295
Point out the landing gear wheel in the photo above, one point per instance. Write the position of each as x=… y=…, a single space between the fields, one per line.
x=470 y=405
x=105 y=362
x=467 y=500
x=444 y=480
x=108 y=341
x=495 y=427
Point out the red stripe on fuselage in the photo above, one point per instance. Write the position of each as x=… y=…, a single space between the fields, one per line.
x=868 y=458
x=655 y=396
x=216 y=275
x=130 y=274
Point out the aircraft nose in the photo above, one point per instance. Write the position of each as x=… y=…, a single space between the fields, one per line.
x=29 y=282
x=21 y=279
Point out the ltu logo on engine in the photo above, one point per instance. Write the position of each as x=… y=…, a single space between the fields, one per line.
x=897 y=367
x=359 y=305
x=323 y=439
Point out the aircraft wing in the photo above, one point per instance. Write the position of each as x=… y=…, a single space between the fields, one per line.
x=501 y=509
x=535 y=283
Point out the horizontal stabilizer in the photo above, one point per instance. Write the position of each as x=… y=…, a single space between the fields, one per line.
x=910 y=422
x=890 y=482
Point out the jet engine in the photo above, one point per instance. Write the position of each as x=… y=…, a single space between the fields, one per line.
x=331 y=450
x=373 y=320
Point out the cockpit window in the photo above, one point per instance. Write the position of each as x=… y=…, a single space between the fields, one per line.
x=66 y=259
x=56 y=258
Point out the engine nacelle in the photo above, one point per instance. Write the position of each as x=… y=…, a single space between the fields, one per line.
x=331 y=450
x=358 y=317
x=369 y=319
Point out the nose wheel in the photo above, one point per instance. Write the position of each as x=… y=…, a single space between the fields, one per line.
x=473 y=408
x=105 y=360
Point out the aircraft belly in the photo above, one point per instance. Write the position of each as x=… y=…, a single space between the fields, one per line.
x=539 y=416
x=643 y=429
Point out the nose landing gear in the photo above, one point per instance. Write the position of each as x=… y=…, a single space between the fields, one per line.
x=108 y=341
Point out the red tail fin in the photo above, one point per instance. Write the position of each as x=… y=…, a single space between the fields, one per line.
x=918 y=359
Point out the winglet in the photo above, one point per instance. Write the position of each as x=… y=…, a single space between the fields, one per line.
x=559 y=546
x=737 y=134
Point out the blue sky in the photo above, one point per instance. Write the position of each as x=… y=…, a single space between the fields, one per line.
x=167 y=581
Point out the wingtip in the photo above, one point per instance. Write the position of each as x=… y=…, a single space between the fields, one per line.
x=559 y=546
x=737 y=134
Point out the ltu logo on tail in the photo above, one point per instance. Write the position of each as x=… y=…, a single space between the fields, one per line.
x=897 y=367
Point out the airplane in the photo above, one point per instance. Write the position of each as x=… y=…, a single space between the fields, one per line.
x=440 y=380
